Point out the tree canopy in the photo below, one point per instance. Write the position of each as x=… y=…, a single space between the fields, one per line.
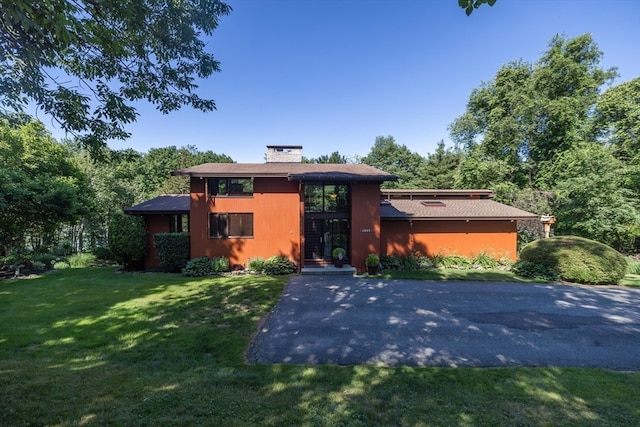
x=85 y=62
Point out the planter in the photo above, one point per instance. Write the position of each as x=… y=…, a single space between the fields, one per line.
x=372 y=270
x=338 y=263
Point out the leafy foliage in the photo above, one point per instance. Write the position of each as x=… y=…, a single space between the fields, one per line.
x=576 y=259
x=127 y=240
x=256 y=264
x=279 y=265
x=220 y=264
x=396 y=159
x=372 y=260
x=81 y=260
x=173 y=250
x=198 y=267
x=118 y=51
x=532 y=270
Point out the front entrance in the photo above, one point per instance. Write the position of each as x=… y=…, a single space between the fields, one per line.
x=326 y=219
x=322 y=235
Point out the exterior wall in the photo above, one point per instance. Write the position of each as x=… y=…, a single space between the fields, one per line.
x=154 y=224
x=276 y=221
x=365 y=222
x=497 y=238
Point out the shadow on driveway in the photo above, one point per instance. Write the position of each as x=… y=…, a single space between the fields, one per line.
x=351 y=320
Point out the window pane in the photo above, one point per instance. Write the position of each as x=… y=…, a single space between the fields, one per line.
x=218 y=225
x=241 y=225
x=336 y=198
x=241 y=186
x=313 y=198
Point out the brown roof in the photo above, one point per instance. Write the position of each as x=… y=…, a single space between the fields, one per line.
x=164 y=204
x=292 y=171
x=451 y=209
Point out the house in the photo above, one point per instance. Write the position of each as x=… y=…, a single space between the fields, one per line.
x=303 y=211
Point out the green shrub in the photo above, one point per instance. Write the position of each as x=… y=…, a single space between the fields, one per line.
x=256 y=264
x=39 y=266
x=424 y=262
x=410 y=262
x=372 y=260
x=279 y=265
x=127 y=240
x=82 y=260
x=391 y=262
x=535 y=271
x=455 y=261
x=47 y=259
x=335 y=254
x=485 y=260
x=61 y=265
x=198 y=267
x=102 y=253
x=634 y=266
x=577 y=259
x=173 y=250
x=220 y=264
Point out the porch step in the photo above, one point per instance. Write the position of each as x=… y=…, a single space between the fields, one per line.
x=328 y=269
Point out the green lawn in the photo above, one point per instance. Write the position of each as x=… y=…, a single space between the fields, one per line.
x=94 y=347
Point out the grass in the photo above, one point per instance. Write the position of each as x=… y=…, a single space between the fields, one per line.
x=92 y=347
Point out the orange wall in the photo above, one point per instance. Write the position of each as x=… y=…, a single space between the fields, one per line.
x=365 y=222
x=497 y=238
x=276 y=221
x=155 y=224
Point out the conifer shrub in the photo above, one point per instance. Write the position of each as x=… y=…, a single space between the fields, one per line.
x=127 y=240
x=576 y=259
x=173 y=250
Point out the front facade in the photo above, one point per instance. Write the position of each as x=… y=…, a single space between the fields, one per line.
x=304 y=211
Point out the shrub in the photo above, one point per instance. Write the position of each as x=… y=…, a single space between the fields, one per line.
x=102 y=253
x=485 y=260
x=220 y=264
x=39 y=266
x=47 y=259
x=391 y=262
x=372 y=260
x=198 y=267
x=634 y=266
x=256 y=264
x=409 y=262
x=173 y=250
x=335 y=254
x=279 y=265
x=82 y=260
x=424 y=262
x=127 y=240
x=61 y=265
x=577 y=259
x=455 y=261
x=531 y=270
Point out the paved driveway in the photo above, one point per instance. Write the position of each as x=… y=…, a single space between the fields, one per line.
x=349 y=320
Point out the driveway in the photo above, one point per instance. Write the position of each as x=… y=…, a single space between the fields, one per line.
x=348 y=320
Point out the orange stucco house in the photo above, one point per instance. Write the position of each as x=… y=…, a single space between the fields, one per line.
x=303 y=211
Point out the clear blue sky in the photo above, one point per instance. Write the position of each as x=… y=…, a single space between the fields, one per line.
x=331 y=75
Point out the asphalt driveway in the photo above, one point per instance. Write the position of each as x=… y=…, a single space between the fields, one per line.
x=348 y=320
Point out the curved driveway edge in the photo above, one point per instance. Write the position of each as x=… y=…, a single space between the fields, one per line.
x=348 y=320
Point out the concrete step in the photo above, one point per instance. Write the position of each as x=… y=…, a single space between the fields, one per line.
x=329 y=269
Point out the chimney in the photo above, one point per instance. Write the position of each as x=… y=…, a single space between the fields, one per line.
x=284 y=153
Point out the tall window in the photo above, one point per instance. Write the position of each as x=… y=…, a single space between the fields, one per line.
x=237 y=187
x=320 y=197
x=225 y=225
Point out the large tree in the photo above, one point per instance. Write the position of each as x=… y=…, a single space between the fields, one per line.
x=397 y=159
x=41 y=188
x=528 y=114
x=85 y=61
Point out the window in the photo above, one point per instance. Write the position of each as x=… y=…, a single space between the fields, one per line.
x=326 y=197
x=178 y=223
x=236 y=187
x=224 y=225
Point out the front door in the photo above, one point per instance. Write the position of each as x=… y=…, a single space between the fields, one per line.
x=322 y=235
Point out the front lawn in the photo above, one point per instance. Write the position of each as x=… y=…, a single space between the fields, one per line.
x=94 y=347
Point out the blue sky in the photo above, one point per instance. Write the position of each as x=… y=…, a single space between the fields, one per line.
x=331 y=75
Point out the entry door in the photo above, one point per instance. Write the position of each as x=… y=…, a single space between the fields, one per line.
x=323 y=235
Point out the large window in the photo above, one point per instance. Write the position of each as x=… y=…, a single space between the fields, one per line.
x=224 y=225
x=237 y=187
x=321 y=197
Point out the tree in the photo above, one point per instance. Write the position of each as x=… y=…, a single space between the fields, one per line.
x=84 y=61
x=470 y=5
x=530 y=113
x=390 y=157
x=40 y=187
x=334 y=157
x=439 y=169
x=590 y=200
